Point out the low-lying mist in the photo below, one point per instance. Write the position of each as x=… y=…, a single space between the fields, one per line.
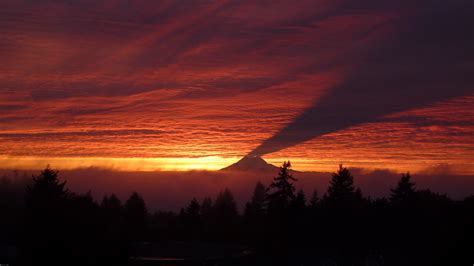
x=173 y=190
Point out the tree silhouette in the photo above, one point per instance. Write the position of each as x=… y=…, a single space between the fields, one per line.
x=225 y=207
x=281 y=190
x=112 y=213
x=111 y=202
x=194 y=209
x=206 y=207
x=341 y=190
x=254 y=214
x=256 y=207
x=47 y=191
x=136 y=216
x=405 y=189
x=112 y=208
x=83 y=229
x=207 y=217
x=206 y=210
x=314 y=201
x=225 y=216
x=11 y=205
x=299 y=202
x=191 y=220
x=46 y=207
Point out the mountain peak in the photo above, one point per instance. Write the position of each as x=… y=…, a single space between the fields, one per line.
x=250 y=163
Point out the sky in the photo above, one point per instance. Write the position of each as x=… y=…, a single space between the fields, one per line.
x=185 y=85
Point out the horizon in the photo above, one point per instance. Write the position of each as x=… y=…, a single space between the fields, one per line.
x=171 y=190
x=148 y=165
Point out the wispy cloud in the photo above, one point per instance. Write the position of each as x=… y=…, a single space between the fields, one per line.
x=160 y=79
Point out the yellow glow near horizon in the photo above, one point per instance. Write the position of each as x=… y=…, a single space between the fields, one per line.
x=119 y=164
x=207 y=163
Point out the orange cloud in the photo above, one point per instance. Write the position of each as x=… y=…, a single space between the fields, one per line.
x=157 y=85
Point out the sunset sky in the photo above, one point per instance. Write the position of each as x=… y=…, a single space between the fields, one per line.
x=180 y=85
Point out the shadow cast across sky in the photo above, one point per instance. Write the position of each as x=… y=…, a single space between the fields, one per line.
x=423 y=57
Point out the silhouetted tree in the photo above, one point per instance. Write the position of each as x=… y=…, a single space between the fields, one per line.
x=47 y=192
x=254 y=215
x=192 y=219
x=45 y=239
x=194 y=209
x=85 y=234
x=405 y=189
x=341 y=190
x=256 y=207
x=207 y=216
x=206 y=207
x=112 y=213
x=11 y=206
x=111 y=203
x=343 y=203
x=225 y=215
x=299 y=202
x=281 y=190
x=225 y=207
x=314 y=201
x=136 y=214
x=112 y=209
x=298 y=215
x=280 y=197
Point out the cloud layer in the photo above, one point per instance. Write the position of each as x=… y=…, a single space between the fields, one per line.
x=425 y=57
x=163 y=79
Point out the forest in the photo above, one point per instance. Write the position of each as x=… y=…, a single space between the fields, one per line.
x=44 y=223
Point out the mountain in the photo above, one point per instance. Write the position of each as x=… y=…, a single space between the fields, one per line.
x=251 y=164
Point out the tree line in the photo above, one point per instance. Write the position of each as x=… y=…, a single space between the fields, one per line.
x=51 y=225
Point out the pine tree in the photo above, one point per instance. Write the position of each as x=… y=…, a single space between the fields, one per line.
x=225 y=207
x=112 y=207
x=206 y=206
x=299 y=203
x=46 y=219
x=206 y=210
x=256 y=206
x=314 y=202
x=47 y=191
x=136 y=217
x=225 y=216
x=112 y=213
x=404 y=190
x=281 y=190
x=341 y=190
x=193 y=210
x=191 y=219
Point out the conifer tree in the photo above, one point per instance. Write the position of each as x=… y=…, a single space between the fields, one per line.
x=225 y=207
x=341 y=190
x=256 y=206
x=46 y=205
x=281 y=191
x=314 y=201
x=404 y=190
x=207 y=210
x=193 y=211
x=47 y=191
x=299 y=203
x=136 y=216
